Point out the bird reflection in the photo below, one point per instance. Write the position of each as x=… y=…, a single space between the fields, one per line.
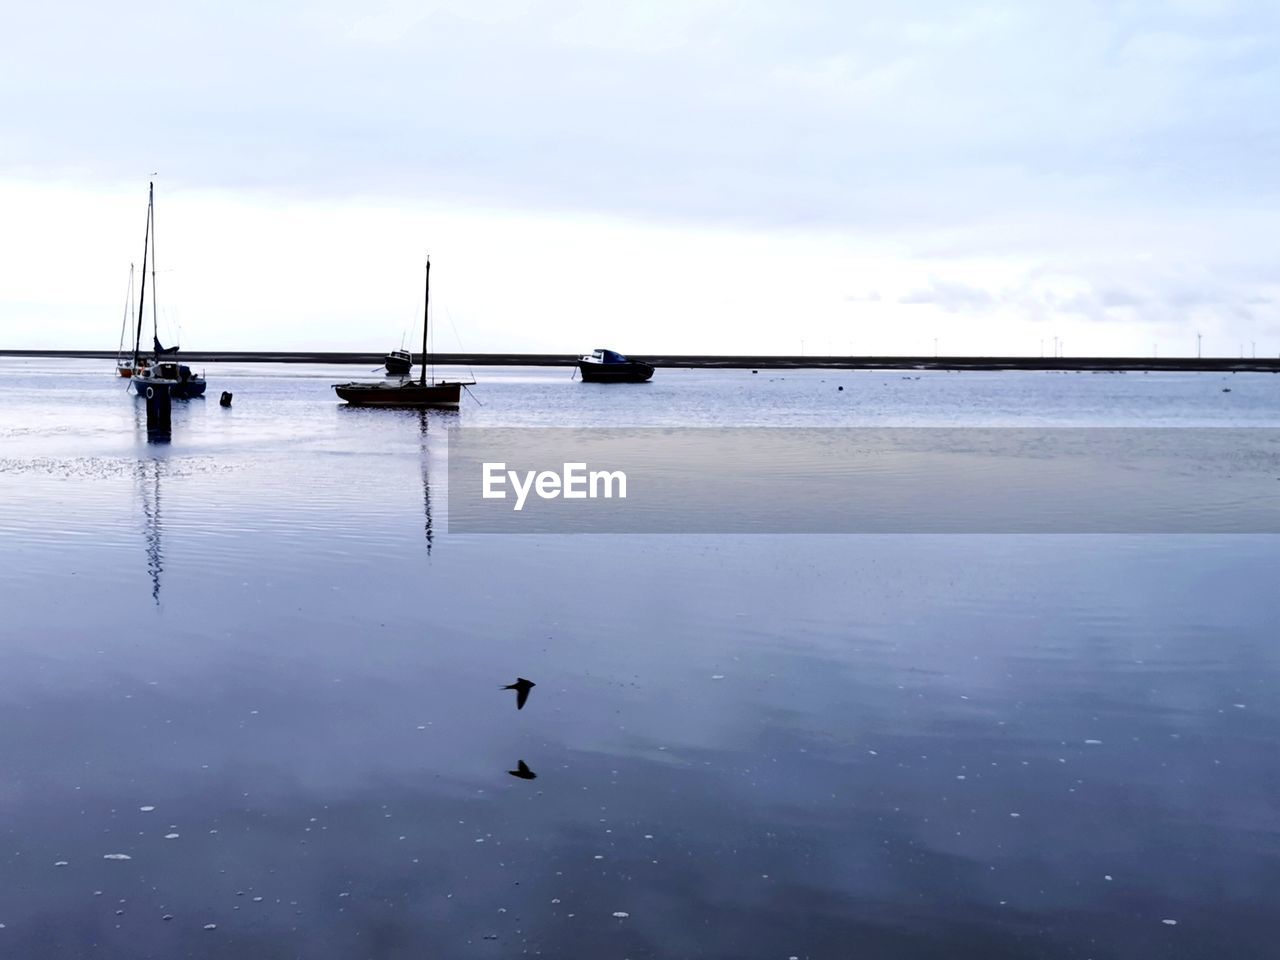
x=522 y=688
x=523 y=772
x=149 y=484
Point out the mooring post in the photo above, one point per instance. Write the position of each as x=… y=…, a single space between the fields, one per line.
x=225 y=400
x=159 y=404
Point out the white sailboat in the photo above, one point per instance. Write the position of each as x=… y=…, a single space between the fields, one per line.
x=124 y=360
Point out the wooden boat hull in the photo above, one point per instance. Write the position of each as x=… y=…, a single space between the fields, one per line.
x=124 y=370
x=445 y=394
x=397 y=365
x=633 y=371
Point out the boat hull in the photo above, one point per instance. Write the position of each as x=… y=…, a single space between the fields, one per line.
x=443 y=395
x=124 y=370
x=633 y=371
x=178 y=389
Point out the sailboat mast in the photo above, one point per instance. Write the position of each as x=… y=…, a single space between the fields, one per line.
x=129 y=306
x=155 y=322
x=128 y=315
x=426 y=300
x=142 y=295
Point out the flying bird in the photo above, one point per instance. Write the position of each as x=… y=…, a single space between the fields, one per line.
x=522 y=688
x=523 y=772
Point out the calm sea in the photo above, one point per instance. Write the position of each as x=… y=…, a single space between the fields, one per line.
x=250 y=697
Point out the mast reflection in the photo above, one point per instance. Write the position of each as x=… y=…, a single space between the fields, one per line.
x=442 y=420
x=149 y=472
x=424 y=458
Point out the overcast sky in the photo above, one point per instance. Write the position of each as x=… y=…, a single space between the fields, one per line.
x=701 y=175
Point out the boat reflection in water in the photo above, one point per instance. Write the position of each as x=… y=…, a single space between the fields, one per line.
x=443 y=419
x=424 y=458
x=148 y=478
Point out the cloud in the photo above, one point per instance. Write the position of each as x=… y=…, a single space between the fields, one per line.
x=1094 y=141
x=938 y=113
x=1115 y=297
x=951 y=296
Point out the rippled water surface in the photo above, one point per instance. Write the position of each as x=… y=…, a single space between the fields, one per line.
x=251 y=661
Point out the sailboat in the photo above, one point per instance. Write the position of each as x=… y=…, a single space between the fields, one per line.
x=408 y=393
x=162 y=371
x=124 y=362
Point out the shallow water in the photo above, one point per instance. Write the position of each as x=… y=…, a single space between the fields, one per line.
x=745 y=746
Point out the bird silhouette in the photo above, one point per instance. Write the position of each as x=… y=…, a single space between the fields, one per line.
x=522 y=688
x=523 y=772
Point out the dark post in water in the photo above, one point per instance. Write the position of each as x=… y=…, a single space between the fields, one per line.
x=159 y=404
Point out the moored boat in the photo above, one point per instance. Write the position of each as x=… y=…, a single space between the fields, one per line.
x=407 y=393
x=162 y=370
x=182 y=382
x=124 y=362
x=398 y=362
x=609 y=366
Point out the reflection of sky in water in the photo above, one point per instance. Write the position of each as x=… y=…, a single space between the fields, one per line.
x=869 y=480
x=776 y=746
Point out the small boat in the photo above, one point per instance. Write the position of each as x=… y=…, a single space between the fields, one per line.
x=161 y=371
x=398 y=362
x=407 y=393
x=608 y=366
x=124 y=362
x=182 y=382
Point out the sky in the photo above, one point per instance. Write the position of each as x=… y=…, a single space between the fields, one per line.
x=700 y=176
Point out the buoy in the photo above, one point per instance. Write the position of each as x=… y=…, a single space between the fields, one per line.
x=839 y=388
x=225 y=400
